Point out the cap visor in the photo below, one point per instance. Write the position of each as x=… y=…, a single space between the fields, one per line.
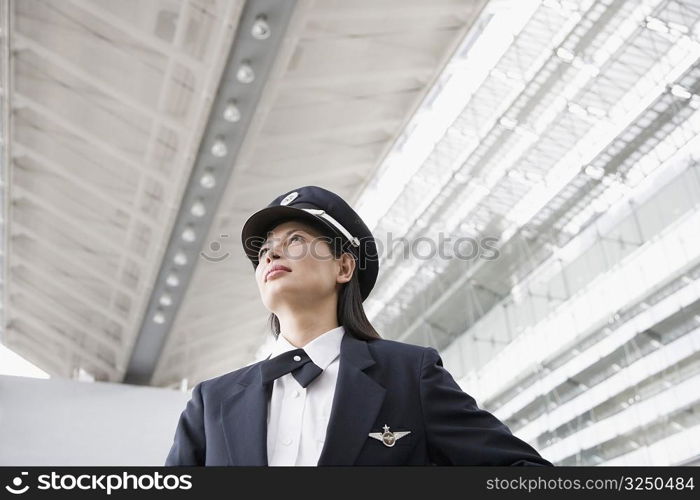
x=256 y=227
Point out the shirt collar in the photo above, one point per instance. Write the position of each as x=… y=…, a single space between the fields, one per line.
x=322 y=350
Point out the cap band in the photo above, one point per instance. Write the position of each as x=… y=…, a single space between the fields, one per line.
x=322 y=213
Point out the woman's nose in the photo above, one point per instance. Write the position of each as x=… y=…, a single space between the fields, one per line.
x=271 y=253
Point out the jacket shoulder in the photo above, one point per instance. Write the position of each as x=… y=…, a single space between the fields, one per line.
x=225 y=381
x=396 y=349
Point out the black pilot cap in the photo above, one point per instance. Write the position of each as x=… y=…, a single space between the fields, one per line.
x=316 y=204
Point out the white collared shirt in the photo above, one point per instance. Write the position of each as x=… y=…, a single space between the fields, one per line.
x=297 y=417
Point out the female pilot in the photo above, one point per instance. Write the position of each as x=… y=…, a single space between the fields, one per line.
x=332 y=391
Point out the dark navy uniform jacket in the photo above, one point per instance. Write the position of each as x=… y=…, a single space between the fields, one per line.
x=380 y=382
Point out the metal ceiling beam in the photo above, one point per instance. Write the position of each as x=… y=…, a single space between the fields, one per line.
x=350 y=130
x=104 y=340
x=54 y=168
x=217 y=297
x=391 y=10
x=95 y=140
x=221 y=333
x=7 y=89
x=211 y=361
x=35 y=352
x=210 y=320
x=276 y=183
x=419 y=75
x=112 y=91
x=21 y=193
x=172 y=368
x=150 y=42
x=250 y=56
x=20 y=229
x=76 y=295
x=201 y=355
x=49 y=333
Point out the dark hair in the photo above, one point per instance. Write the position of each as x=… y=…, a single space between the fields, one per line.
x=350 y=311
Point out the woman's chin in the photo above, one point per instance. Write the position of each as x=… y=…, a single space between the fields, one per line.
x=281 y=293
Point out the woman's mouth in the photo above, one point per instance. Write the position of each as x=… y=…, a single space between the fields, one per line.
x=276 y=272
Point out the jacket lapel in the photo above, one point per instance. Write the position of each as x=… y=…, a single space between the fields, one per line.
x=356 y=404
x=244 y=421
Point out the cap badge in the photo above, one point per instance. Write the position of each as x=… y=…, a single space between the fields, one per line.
x=289 y=198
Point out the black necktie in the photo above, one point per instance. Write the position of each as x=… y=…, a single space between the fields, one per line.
x=295 y=361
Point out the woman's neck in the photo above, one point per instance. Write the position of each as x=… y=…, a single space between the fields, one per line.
x=301 y=327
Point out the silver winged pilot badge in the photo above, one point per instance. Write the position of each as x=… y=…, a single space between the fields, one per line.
x=388 y=438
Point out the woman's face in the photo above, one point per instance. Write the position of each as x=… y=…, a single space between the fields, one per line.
x=309 y=272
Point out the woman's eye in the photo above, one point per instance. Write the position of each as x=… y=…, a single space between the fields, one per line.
x=292 y=238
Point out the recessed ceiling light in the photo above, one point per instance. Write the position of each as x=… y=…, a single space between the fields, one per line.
x=207 y=180
x=260 y=29
x=188 y=234
x=231 y=112
x=180 y=258
x=219 y=148
x=245 y=73
x=198 y=209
